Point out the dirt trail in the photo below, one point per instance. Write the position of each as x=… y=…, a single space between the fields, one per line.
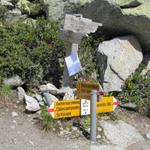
x=23 y=133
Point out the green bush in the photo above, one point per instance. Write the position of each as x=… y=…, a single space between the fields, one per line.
x=34 y=53
x=137 y=90
x=87 y=54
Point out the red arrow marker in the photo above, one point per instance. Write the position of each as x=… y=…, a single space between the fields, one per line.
x=50 y=110
x=115 y=103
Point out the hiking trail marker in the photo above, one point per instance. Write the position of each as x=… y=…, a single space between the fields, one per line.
x=74 y=108
x=84 y=89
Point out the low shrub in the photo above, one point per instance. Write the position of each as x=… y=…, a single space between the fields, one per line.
x=34 y=53
x=137 y=90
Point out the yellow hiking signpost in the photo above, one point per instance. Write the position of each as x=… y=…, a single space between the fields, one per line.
x=84 y=89
x=74 y=108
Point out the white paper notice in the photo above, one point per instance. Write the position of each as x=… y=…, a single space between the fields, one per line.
x=85 y=107
x=73 y=64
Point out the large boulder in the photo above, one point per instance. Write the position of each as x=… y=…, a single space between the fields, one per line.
x=122 y=17
x=121 y=134
x=56 y=9
x=117 y=59
x=117 y=16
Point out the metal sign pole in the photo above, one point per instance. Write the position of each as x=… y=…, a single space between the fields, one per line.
x=93 y=115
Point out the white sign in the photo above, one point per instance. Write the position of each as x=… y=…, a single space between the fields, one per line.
x=85 y=107
x=73 y=64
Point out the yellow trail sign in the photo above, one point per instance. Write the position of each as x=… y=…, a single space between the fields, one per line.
x=84 y=89
x=74 y=108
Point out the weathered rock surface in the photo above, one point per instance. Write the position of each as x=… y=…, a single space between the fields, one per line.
x=129 y=106
x=14 y=81
x=21 y=93
x=148 y=136
x=38 y=97
x=31 y=104
x=56 y=9
x=49 y=88
x=7 y=3
x=128 y=3
x=117 y=59
x=69 y=95
x=14 y=15
x=121 y=134
x=49 y=98
x=122 y=17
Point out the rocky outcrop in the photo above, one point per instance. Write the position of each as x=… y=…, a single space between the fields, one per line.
x=56 y=9
x=14 y=81
x=120 y=17
x=117 y=59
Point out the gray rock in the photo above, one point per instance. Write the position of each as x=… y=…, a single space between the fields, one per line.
x=69 y=95
x=6 y=3
x=30 y=22
x=56 y=9
x=49 y=98
x=148 y=136
x=129 y=106
x=143 y=145
x=128 y=3
x=121 y=134
x=14 y=81
x=121 y=20
x=31 y=104
x=14 y=114
x=14 y=15
x=21 y=93
x=117 y=59
x=38 y=97
x=64 y=90
x=105 y=147
x=98 y=137
x=49 y=88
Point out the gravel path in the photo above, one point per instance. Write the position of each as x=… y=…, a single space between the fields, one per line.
x=23 y=133
x=20 y=131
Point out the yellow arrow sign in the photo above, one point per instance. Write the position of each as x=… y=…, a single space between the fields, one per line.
x=84 y=89
x=74 y=108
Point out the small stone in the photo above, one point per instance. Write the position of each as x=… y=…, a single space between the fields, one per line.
x=14 y=81
x=88 y=130
x=12 y=127
x=99 y=129
x=49 y=88
x=31 y=142
x=74 y=128
x=21 y=93
x=105 y=118
x=129 y=106
x=31 y=104
x=14 y=114
x=146 y=125
x=98 y=137
x=69 y=95
x=38 y=97
x=148 y=136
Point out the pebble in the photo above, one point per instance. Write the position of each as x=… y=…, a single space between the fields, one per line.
x=146 y=125
x=148 y=136
x=31 y=143
x=98 y=136
x=74 y=128
x=14 y=114
x=99 y=129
